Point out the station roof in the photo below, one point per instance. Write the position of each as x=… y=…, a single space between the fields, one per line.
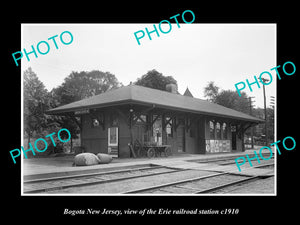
x=134 y=94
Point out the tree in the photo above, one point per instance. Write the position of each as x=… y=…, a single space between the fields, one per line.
x=82 y=85
x=36 y=102
x=211 y=91
x=78 y=86
x=227 y=98
x=231 y=99
x=156 y=80
x=260 y=129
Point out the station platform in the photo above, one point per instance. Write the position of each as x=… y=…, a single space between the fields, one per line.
x=36 y=168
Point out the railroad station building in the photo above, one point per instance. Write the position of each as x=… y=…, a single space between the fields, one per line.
x=110 y=121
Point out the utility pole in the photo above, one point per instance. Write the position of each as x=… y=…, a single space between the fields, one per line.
x=266 y=121
x=250 y=113
x=250 y=101
x=272 y=102
x=272 y=105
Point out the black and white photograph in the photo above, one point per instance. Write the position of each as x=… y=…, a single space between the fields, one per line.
x=108 y=113
x=149 y=111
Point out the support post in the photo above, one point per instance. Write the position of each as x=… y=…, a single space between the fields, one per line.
x=75 y=120
x=131 y=131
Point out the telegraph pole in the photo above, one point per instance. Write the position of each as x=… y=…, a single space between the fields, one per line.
x=250 y=113
x=272 y=102
x=250 y=101
x=266 y=121
x=272 y=105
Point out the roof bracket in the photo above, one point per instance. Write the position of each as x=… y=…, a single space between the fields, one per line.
x=73 y=118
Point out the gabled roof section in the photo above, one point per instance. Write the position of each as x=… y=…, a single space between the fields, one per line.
x=188 y=93
x=133 y=94
x=115 y=96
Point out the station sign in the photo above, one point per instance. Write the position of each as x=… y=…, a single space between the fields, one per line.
x=82 y=111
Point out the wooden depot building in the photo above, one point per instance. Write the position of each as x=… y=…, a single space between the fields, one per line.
x=110 y=121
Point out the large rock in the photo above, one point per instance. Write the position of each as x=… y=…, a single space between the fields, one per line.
x=104 y=158
x=86 y=159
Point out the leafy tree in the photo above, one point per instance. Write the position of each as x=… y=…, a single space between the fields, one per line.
x=77 y=86
x=156 y=80
x=81 y=85
x=231 y=99
x=260 y=129
x=211 y=91
x=227 y=98
x=36 y=102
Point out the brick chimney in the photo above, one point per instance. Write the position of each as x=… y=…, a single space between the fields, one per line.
x=172 y=88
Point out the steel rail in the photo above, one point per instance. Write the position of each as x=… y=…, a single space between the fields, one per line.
x=232 y=162
x=99 y=181
x=174 y=183
x=105 y=180
x=208 y=160
x=91 y=174
x=208 y=190
x=249 y=177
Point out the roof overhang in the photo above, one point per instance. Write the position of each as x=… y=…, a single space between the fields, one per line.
x=67 y=111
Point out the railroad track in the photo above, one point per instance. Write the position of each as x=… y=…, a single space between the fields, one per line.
x=199 y=184
x=202 y=184
x=225 y=161
x=58 y=183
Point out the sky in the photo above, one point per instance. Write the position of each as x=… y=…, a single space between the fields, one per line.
x=193 y=54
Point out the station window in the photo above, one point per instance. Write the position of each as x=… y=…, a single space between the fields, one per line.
x=211 y=130
x=218 y=130
x=169 y=125
x=224 y=130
